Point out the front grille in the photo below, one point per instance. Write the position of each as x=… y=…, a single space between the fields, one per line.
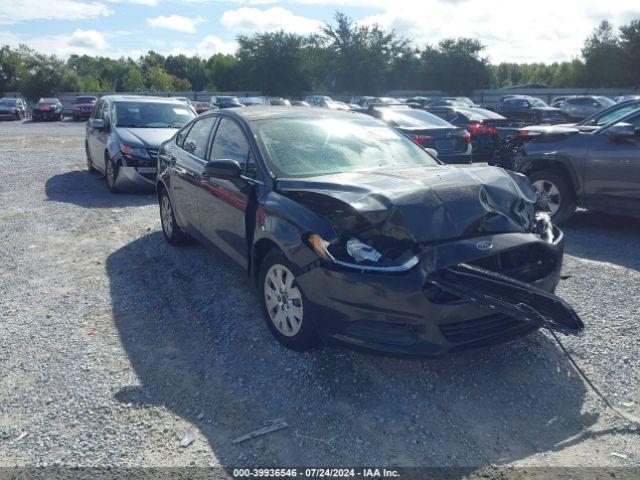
x=527 y=263
x=484 y=331
x=153 y=153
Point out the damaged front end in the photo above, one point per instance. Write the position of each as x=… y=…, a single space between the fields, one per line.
x=458 y=295
x=428 y=264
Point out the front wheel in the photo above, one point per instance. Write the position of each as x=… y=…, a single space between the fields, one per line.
x=555 y=195
x=111 y=173
x=288 y=314
x=90 y=166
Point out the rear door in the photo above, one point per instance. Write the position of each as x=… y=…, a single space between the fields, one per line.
x=187 y=167
x=222 y=203
x=612 y=171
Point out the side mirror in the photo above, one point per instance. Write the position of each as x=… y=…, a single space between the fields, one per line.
x=224 y=168
x=432 y=152
x=97 y=123
x=621 y=131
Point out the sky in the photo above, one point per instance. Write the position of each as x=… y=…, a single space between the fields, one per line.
x=512 y=30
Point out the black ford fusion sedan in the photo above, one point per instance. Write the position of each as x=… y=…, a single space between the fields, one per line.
x=353 y=233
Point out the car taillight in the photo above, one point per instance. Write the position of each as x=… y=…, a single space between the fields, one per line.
x=481 y=129
x=420 y=139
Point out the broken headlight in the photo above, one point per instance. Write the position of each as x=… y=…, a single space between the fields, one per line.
x=362 y=256
x=543 y=226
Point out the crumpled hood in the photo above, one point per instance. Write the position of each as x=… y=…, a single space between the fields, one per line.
x=426 y=204
x=145 y=137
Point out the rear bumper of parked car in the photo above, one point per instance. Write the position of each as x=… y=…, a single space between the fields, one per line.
x=406 y=315
x=82 y=113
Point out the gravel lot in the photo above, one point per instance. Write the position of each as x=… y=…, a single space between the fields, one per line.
x=114 y=344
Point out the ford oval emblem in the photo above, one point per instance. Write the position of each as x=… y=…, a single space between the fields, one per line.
x=484 y=246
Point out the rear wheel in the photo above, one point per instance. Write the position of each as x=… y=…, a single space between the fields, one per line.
x=288 y=314
x=173 y=234
x=555 y=195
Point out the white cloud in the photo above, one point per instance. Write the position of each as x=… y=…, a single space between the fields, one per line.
x=211 y=45
x=14 y=11
x=247 y=20
x=243 y=2
x=80 y=42
x=552 y=31
x=90 y=39
x=176 y=22
x=150 y=3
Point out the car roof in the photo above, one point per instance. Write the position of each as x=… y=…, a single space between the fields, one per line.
x=265 y=112
x=142 y=98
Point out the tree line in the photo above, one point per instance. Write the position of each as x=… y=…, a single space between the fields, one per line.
x=342 y=57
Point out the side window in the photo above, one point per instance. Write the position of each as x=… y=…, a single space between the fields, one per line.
x=252 y=167
x=104 y=113
x=195 y=142
x=97 y=111
x=182 y=135
x=230 y=142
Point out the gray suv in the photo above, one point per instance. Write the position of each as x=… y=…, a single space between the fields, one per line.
x=581 y=107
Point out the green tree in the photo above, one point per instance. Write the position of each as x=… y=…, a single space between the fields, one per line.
x=273 y=62
x=10 y=63
x=455 y=66
x=360 y=56
x=193 y=69
x=223 y=73
x=630 y=44
x=604 y=56
x=158 y=80
x=133 y=80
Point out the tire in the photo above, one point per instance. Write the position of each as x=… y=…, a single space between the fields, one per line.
x=110 y=174
x=90 y=166
x=560 y=199
x=172 y=232
x=289 y=315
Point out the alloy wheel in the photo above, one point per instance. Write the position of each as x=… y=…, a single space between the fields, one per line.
x=549 y=198
x=110 y=174
x=166 y=215
x=284 y=300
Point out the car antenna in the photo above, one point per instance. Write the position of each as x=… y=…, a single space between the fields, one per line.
x=625 y=416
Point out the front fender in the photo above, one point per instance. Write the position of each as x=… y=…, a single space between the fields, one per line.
x=528 y=163
x=286 y=223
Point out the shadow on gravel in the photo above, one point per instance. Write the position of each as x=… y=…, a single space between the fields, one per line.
x=605 y=238
x=191 y=327
x=81 y=188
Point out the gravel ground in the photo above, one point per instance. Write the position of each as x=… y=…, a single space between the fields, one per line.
x=114 y=344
